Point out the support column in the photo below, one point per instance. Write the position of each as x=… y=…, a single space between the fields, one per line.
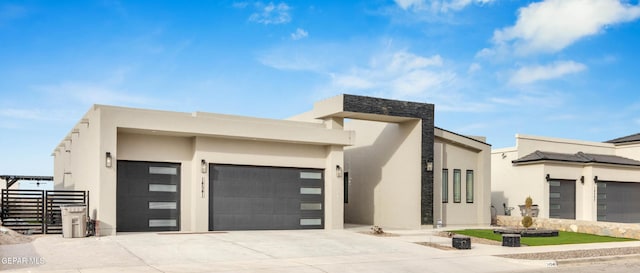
x=334 y=186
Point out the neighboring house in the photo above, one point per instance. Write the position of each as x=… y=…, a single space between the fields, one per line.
x=570 y=179
x=152 y=170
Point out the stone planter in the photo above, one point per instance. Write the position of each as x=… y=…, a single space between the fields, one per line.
x=534 y=210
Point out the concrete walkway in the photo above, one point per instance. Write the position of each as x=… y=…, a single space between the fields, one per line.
x=267 y=251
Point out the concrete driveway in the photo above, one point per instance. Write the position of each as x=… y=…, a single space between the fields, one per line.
x=256 y=251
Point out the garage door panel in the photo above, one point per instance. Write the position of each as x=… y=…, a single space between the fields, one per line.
x=285 y=206
x=148 y=196
x=284 y=189
x=618 y=202
x=257 y=198
x=562 y=196
x=229 y=205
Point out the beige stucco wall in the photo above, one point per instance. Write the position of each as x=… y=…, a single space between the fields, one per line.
x=385 y=173
x=457 y=152
x=512 y=184
x=629 y=151
x=77 y=160
x=147 y=135
x=527 y=144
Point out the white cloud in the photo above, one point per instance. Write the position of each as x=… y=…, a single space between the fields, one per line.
x=352 y=82
x=240 y=5
x=530 y=74
x=401 y=74
x=299 y=34
x=26 y=114
x=290 y=59
x=474 y=67
x=405 y=61
x=556 y=117
x=540 y=98
x=406 y=4
x=420 y=82
x=392 y=73
x=438 y=5
x=271 y=13
x=90 y=93
x=552 y=25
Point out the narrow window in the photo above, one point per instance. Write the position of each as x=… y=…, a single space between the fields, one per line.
x=469 y=186
x=457 y=196
x=445 y=186
x=346 y=187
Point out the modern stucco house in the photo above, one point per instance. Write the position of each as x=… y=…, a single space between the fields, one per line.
x=570 y=179
x=352 y=159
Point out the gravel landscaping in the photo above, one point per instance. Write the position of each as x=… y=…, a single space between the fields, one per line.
x=574 y=254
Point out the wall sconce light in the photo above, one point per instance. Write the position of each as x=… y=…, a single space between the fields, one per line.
x=203 y=166
x=548 y=177
x=582 y=179
x=429 y=166
x=595 y=179
x=108 y=160
x=338 y=171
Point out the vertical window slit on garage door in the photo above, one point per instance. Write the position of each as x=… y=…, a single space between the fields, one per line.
x=310 y=190
x=163 y=170
x=163 y=222
x=310 y=175
x=311 y=222
x=163 y=187
x=311 y=206
x=163 y=205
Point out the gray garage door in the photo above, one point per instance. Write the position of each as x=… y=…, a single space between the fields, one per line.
x=148 y=196
x=259 y=198
x=562 y=199
x=619 y=202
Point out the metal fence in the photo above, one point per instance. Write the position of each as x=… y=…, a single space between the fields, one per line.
x=37 y=211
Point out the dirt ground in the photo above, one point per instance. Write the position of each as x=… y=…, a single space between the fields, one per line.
x=10 y=237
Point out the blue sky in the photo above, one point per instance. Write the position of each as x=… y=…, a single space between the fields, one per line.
x=559 y=68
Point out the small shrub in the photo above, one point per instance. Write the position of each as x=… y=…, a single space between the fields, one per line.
x=527 y=221
x=377 y=230
x=528 y=202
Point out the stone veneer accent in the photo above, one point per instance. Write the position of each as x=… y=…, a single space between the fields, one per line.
x=598 y=228
x=423 y=111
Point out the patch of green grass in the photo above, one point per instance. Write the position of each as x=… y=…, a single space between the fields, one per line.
x=563 y=238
